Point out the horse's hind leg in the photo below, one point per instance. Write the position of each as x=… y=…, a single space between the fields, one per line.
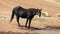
x=18 y=20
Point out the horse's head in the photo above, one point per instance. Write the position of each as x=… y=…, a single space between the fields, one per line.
x=39 y=12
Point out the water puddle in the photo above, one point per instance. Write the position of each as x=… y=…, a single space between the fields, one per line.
x=48 y=31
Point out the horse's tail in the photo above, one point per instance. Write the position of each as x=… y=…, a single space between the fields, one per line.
x=12 y=16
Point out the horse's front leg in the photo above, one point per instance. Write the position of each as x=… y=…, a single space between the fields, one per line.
x=29 y=22
x=26 y=22
x=17 y=17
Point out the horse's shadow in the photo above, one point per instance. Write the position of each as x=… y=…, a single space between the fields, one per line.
x=31 y=28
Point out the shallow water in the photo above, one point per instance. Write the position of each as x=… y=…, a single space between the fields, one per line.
x=48 y=31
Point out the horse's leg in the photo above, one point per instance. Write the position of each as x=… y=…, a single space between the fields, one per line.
x=26 y=22
x=18 y=20
x=29 y=22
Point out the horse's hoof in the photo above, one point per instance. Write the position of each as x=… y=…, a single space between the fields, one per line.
x=28 y=27
x=19 y=25
x=25 y=26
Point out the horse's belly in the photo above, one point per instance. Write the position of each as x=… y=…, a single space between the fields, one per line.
x=23 y=16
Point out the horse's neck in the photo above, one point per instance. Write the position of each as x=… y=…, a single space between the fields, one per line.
x=34 y=13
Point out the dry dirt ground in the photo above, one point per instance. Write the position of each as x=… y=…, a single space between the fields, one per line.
x=39 y=25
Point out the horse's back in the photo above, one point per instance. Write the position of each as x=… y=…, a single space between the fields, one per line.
x=33 y=10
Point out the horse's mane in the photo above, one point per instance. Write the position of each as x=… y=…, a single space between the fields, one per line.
x=21 y=7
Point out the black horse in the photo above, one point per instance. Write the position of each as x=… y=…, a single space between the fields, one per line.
x=25 y=13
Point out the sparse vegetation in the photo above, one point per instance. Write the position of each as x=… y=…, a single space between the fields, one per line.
x=2 y=17
x=45 y=14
